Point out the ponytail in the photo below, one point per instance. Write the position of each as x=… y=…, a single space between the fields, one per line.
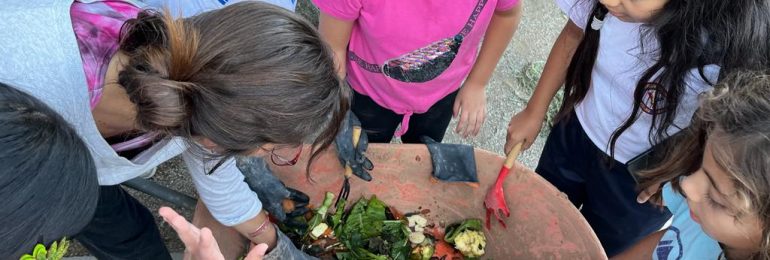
x=578 y=78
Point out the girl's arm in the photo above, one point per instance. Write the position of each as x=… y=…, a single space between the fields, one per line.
x=643 y=249
x=200 y=242
x=259 y=230
x=336 y=33
x=471 y=101
x=229 y=200
x=499 y=33
x=525 y=125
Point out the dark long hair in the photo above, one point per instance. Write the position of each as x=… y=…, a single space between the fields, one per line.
x=733 y=34
x=48 y=181
x=243 y=76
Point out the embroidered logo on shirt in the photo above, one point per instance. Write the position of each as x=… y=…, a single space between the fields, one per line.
x=426 y=63
x=670 y=246
x=654 y=99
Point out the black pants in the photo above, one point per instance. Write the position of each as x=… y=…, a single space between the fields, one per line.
x=606 y=191
x=122 y=228
x=380 y=123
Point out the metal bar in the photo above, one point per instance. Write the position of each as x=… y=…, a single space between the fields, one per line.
x=162 y=192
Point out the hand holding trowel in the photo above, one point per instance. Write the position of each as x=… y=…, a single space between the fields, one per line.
x=495 y=199
x=351 y=144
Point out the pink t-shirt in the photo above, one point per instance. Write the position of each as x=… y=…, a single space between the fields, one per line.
x=97 y=27
x=407 y=55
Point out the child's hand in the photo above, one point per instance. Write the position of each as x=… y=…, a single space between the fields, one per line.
x=645 y=195
x=471 y=106
x=257 y=252
x=200 y=243
x=523 y=128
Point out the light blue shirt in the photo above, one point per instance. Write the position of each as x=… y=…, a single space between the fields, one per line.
x=685 y=238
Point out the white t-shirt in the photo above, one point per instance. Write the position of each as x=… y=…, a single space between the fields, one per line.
x=620 y=63
x=193 y=7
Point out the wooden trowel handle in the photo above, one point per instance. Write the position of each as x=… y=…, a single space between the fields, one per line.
x=356 y=135
x=511 y=157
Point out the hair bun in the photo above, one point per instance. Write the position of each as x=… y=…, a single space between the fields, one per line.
x=161 y=103
x=162 y=52
x=146 y=29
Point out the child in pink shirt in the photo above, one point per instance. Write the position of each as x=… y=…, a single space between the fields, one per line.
x=418 y=63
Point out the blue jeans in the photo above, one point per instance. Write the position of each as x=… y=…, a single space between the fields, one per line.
x=603 y=187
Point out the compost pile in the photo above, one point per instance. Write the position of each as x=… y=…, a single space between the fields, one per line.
x=370 y=229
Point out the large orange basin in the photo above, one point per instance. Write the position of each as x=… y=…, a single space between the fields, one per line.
x=543 y=223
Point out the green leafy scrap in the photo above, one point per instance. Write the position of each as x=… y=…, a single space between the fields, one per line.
x=454 y=230
x=320 y=213
x=363 y=254
x=337 y=217
x=373 y=218
x=350 y=232
x=368 y=234
x=396 y=232
x=363 y=231
x=55 y=252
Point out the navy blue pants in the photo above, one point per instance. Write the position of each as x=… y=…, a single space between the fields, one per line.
x=380 y=123
x=604 y=188
x=122 y=228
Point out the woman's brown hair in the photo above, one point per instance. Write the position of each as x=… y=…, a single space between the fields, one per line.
x=242 y=76
x=735 y=118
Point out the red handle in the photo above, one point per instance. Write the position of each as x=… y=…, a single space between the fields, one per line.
x=510 y=159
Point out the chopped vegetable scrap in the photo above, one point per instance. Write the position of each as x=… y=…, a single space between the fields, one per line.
x=371 y=230
x=468 y=237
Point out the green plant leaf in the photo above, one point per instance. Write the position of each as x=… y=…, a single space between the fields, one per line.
x=320 y=213
x=453 y=230
x=56 y=251
x=367 y=234
x=64 y=245
x=337 y=217
x=39 y=252
x=373 y=218
x=353 y=222
x=344 y=255
x=396 y=232
x=363 y=254
x=52 y=250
